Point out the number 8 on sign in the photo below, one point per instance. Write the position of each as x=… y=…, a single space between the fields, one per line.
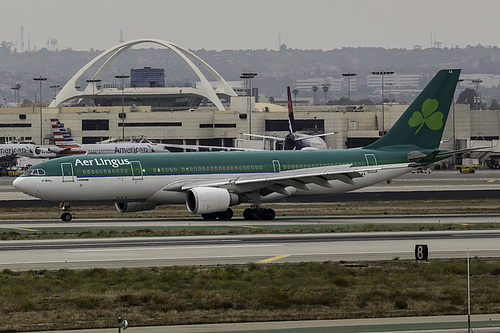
x=421 y=252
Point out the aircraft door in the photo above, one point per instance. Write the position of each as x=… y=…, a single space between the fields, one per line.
x=136 y=170
x=67 y=172
x=370 y=159
x=276 y=166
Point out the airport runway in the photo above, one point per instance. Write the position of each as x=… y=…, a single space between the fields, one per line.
x=239 y=222
x=216 y=250
x=242 y=249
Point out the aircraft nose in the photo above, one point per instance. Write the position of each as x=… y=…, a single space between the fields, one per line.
x=22 y=184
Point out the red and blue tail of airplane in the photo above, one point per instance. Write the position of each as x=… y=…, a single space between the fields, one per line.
x=62 y=138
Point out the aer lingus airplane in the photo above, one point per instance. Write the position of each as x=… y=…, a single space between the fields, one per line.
x=209 y=183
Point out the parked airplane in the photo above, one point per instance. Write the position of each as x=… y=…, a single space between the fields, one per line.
x=65 y=145
x=209 y=183
x=294 y=140
x=10 y=152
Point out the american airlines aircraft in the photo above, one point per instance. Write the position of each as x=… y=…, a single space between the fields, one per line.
x=10 y=152
x=210 y=183
x=65 y=145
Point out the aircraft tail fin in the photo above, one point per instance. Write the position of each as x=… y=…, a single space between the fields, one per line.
x=291 y=120
x=423 y=122
x=62 y=138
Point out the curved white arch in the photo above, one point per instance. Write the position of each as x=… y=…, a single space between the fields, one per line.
x=205 y=89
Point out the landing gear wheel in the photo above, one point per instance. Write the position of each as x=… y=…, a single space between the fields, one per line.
x=66 y=216
x=227 y=215
x=267 y=214
x=251 y=214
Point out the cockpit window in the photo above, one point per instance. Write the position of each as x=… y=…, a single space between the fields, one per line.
x=37 y=172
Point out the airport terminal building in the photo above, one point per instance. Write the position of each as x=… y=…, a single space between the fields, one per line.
x=171 y=114
x=209 y=126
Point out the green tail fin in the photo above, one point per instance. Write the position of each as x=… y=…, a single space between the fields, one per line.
x=422 y=124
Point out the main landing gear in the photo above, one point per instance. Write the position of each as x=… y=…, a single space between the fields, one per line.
x=255 y=213
x=66 y=215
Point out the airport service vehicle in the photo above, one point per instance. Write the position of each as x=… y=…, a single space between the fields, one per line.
x=210 y=183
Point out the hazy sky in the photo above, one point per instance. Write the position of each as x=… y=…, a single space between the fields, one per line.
x=253 y=24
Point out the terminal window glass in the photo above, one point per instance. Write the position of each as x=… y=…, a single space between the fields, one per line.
x=225 y=125
x=304 y=125
x=95 y=125
x=151 y=124
x=93 y=139
x=15 y=125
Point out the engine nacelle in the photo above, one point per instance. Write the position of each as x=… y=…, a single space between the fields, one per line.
x=134 y=206
x=204 y=200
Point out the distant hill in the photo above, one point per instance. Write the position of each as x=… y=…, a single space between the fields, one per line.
x=276 y=69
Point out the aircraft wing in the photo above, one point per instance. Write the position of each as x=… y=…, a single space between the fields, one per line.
x=278 y=182
x=461 y=151
x=210 y=148
x=306 y=136
x=264 y=137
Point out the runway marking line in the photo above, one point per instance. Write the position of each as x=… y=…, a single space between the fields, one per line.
x=22 y=229
x=273 y=259
x=244 y=226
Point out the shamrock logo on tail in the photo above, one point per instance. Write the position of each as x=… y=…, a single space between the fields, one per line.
x=429 y=116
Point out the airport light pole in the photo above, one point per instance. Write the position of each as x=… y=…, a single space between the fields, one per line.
x=382 y=73
x=468 y=293
x=314 y=89
x=249 y=76
x=40 y=79
x=93 y=81
x=123 y=77
x=16 y=93
x=477 y=99
x=454 y=126
x=349 y=75
x=325 y=90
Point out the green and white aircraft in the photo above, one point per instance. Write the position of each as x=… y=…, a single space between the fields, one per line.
x=210 y=183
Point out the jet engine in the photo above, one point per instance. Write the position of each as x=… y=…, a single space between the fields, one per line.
x=134 y=206
x=204 y=200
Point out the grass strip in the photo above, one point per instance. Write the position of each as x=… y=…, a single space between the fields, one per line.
x=110 y=232
x=93 y=298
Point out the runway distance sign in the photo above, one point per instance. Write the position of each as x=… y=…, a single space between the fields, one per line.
x=421 y=252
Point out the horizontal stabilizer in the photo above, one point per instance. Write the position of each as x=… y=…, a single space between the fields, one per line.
x=461 y=151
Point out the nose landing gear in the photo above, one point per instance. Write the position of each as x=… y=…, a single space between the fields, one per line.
x=66 y=215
